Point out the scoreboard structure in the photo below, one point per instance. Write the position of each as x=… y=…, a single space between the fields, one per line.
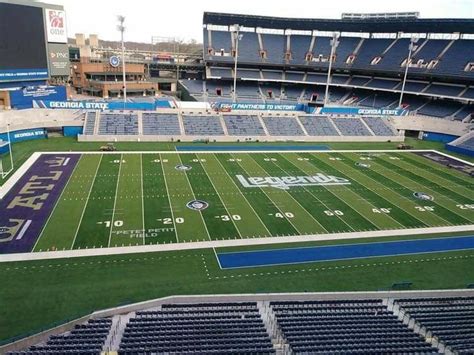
x=33 y=41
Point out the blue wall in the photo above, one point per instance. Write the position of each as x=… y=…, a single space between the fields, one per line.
x=453 y=148
x=72 y=131
x=438 y=137
x=24 y=135
x=3 y=147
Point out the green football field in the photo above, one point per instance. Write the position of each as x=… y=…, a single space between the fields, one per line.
x=147 y=198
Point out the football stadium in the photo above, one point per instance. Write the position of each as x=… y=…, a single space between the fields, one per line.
x=282 y=186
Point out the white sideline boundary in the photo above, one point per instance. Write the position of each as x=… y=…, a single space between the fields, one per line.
x=50 y=255
x=77 y=253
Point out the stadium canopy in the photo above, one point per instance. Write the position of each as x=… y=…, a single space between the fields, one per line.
x=418 y=25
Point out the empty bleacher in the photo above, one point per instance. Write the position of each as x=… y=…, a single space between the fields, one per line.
x=84 y=339
x=318 y=126
x=351 y=126
x=202 y=125
x=160 y=124
x=89 y=126
x=282 y=126
x=343 y=327
x=451 y=320
x=240 y=125
x=379 y=126
x=118 y=124
x=217 y=328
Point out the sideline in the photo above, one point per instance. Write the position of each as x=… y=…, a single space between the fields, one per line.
x=77 y=253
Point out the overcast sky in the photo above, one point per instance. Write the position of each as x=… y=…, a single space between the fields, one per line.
x=183 y=19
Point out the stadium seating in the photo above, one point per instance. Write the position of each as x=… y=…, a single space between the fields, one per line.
x=468 y=144
x=379 y=126
x=274 y=46
x=238 y=125
x=451 y=320
x=299 y=47
x=465 y=113
x=84 y=339
x=202 y=125
x=90 y=123
x=318 y=126
x=445 y=90
x=118 y=124
x=440 y=108
x=218 y=328
x=351 y=127
x=160 y=124
x=282 y=126
x=221 y=72
x=343 y=327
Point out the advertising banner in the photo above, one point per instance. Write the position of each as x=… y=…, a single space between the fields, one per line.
x=71 y=105
x=58 y=57
x=358 y=111
x=23 y=98
x=56 y=26
x=227 y=107
x=23 y=74
x=24 y=135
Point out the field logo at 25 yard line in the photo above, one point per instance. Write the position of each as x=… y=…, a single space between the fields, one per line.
x=423 y=196
x=182 y=167
x=286 y=182
x=197 y=205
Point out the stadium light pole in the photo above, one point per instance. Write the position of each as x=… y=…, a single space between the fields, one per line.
x=411 y=47
x=238 y=37
x=334 y=44
x=121 y=28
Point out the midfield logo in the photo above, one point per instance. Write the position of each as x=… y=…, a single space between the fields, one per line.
x=285 y=182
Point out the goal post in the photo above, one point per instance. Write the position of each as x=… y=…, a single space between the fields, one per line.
x=6 y=157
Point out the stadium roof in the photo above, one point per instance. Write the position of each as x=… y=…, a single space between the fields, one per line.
x=347 y=25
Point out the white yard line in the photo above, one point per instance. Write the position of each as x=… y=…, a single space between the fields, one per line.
x=169 y=199
x=56 y=204
x=115 y=201
x=87 y=202
x=393 y=191
x=243 y=196
x=312 y=194
x=230 y=243
x=429 y=189
x=143 y=198
x=355 y=192
x=220 y=198
x=194 y=197
x=273 y=202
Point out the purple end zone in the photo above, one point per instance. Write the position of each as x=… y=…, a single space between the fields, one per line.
x=27 y=206
x=447 y=161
